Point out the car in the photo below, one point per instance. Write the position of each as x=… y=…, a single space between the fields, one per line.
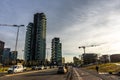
x=41 y=67
x=25 y=68
x=61 y=69
x=46 y=67
x=35 y=68
x=15 y=69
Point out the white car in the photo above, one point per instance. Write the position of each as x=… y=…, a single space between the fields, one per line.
x=15 y=69
x=41 y=67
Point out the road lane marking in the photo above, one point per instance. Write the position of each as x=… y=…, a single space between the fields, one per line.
x=78 y=76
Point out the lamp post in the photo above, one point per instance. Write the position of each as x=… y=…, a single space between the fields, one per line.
x=17 y=35
x=17 y=40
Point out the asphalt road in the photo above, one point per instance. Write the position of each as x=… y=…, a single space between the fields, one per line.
x=50 y=74
x=83 y=74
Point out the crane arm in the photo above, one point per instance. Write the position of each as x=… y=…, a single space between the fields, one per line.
x=5 y=25
x=11 y=25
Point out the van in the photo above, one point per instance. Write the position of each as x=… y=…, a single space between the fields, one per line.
x=15 y=69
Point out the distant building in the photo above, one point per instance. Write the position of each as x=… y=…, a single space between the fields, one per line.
x=89 y=58
x=63 y=60
x=76 y=61
x=14 y=55
x=1 y=50
x=115 y=58
x=104 y=58
x=6 y=56
x=56 y=57
x=35 y=44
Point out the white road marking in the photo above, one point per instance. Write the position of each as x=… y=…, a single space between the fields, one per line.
x=78 y=76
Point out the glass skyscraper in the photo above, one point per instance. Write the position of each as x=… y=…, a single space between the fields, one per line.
x=28 y=43
x=35 y=44
x=56 y=57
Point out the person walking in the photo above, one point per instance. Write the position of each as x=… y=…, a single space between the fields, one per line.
x=97 y=69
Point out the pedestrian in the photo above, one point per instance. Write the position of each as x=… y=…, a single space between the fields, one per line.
x=97 y=68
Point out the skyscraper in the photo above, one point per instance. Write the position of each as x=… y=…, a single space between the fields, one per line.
x=56 y=57
x=28 y=43
x=35 y=44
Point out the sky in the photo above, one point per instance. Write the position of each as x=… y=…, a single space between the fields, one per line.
x=76 y=23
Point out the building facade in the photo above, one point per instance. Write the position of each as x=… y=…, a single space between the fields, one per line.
x=35 y=44
x=63 y=60
x=76 y=61
x=115 y=58
x=89 y=58
x=6 y=56
x=1 y=50
x=104 y=58
x=56 y=57
x=13 y=57
x=28 y=43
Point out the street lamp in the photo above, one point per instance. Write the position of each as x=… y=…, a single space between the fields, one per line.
x=17 y=35
x=17 y=39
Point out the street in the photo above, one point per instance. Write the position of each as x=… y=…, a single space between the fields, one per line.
x=50 y=74
x=83 y=74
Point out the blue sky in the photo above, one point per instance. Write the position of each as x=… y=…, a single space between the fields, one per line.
x=77 y=23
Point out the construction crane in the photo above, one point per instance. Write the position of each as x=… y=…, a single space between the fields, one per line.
x=18 y=26
x=84 y=47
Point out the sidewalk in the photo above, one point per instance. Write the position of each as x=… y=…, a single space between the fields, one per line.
x=3 y=73
x=83 y=74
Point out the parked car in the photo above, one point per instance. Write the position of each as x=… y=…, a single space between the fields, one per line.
x=61 y=69
x=46 y=67
x=15 y=69
x=25 y=68
x=41 y=67
x=35 y=68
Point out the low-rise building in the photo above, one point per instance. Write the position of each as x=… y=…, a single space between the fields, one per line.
x=13 y=56
x=89 y=58
x=104 y=58
x=6 y=56
x=115 y=58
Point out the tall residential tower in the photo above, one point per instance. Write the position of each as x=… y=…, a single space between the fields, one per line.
x=56 y=57
x=35 y=44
